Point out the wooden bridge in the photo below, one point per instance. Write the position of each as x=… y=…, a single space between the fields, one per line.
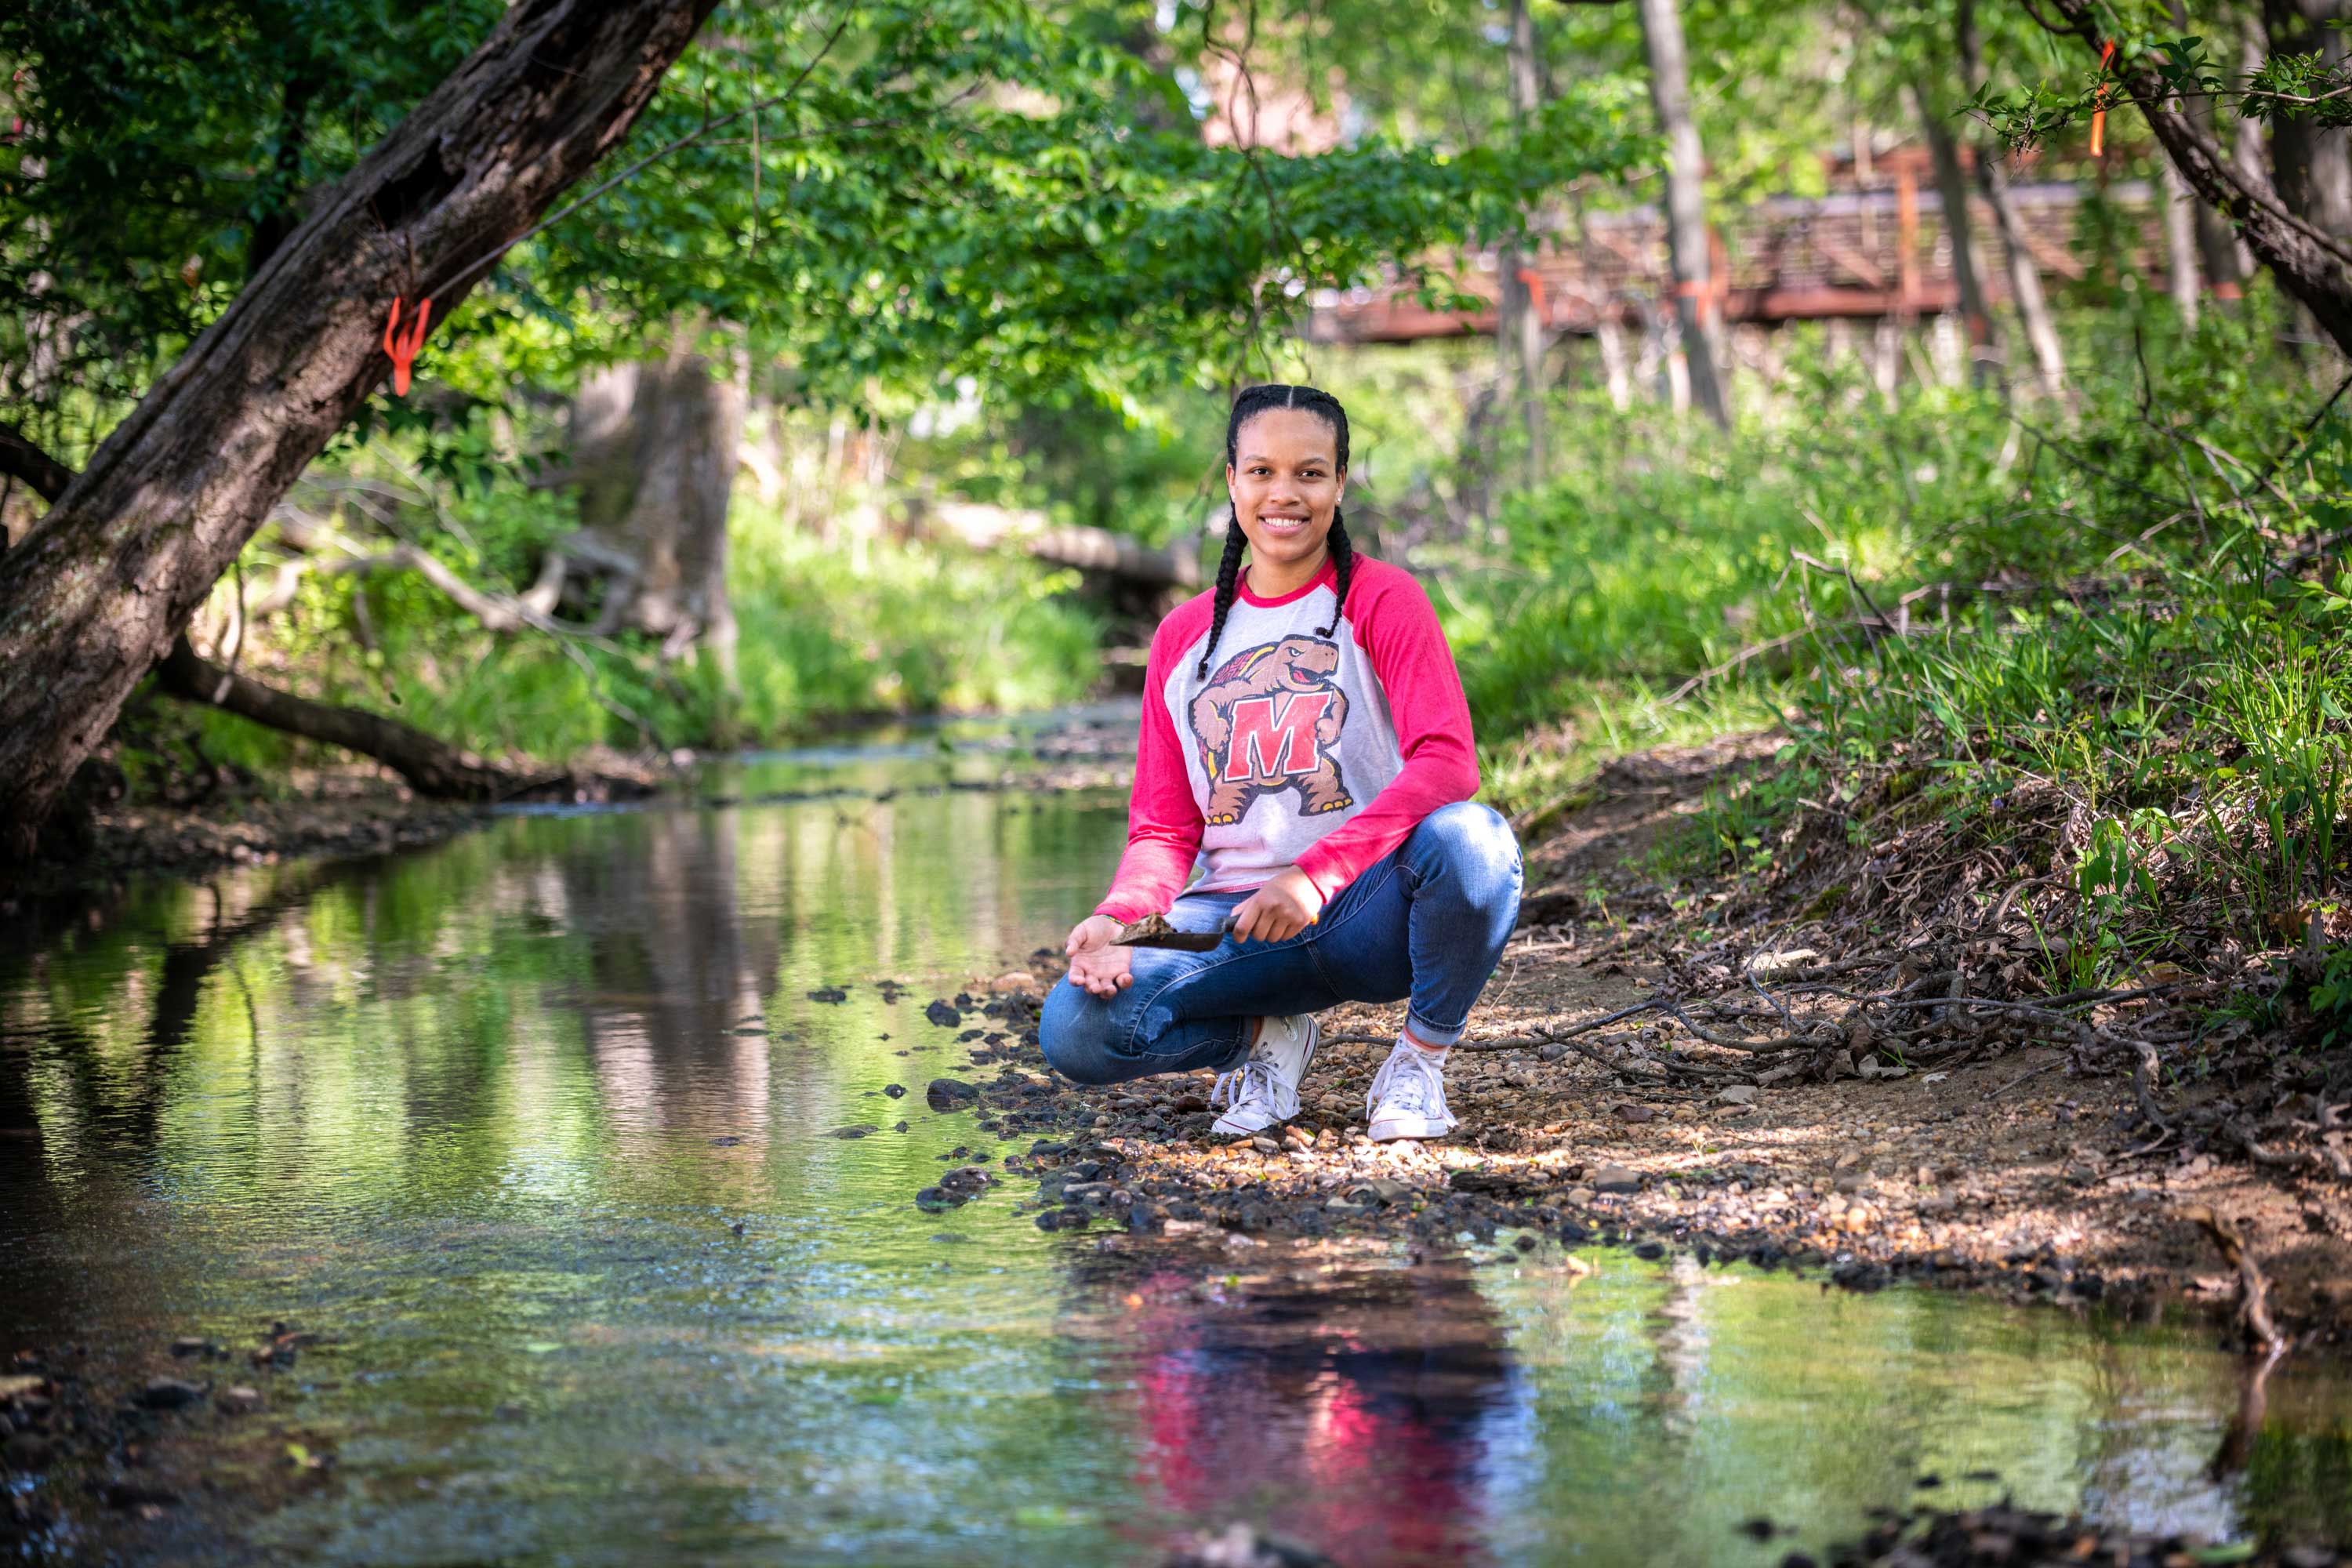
x=1876 y=248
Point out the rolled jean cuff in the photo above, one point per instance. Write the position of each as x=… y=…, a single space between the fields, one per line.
x=1430 y=1034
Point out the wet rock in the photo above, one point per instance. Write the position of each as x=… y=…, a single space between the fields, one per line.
x=238 y=1401
x=966 y=1179
x=1498 y=1184
x=27 y=1451
x=855 y=1129
x=1615 y=1179
x=895 y=1090
x=1860 y=1276
x=945 y=1016
x=1062 y=1219
x=951 y=1094
x=1649 y=1251
x=187 y=1345
x=168 y=1394
x=727 y=1142
x=828 y=993
x=133 y=1492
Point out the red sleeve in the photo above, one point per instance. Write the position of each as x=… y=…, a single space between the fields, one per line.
x=1398 y=629
x=1163 y=819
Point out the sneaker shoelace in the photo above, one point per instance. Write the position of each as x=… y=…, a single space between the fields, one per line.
x=1410 y=1084
x=1255 y=1080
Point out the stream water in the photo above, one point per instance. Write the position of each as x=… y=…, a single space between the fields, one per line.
x=488 y=1116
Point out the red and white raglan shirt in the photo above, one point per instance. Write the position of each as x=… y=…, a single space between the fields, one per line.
x=1299 y=747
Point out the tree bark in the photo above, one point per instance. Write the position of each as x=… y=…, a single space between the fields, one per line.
x=2308 y=260
x=2024 y=276
x=98 y=591
x=1519 y=329
x=431 y=767
x=655 y=448
x=1959 y=233
x=1686 y=242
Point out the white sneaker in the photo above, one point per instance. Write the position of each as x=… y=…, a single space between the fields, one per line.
x=1407 y=1099
x=1265 y=1089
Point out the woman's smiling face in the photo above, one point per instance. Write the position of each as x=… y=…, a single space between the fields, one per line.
x=1286 y=485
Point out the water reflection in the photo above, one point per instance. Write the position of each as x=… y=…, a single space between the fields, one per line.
x=1352 y=1403
x=492 y=1114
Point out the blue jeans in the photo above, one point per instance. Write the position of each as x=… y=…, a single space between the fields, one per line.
x=1428 y=922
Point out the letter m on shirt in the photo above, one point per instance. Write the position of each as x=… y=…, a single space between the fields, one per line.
x=1271 y=742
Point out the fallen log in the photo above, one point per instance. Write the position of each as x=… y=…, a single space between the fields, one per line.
x=432 y=767
x=1099 y=549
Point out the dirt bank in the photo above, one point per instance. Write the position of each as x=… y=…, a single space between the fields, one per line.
x=2031 y=1170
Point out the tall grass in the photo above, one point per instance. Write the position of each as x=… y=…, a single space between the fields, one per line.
x=2122 y=613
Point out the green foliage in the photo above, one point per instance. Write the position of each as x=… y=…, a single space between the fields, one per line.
x=2109 y=639
x=161 y=144
x=2331 y=1000
x=883 y=200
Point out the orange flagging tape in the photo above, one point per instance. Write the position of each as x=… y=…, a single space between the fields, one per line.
x=2099 y=113
x=402 y=346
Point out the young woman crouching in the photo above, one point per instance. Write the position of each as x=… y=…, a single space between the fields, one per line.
x=1306 y=738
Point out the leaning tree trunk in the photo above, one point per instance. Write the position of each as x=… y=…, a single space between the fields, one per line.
x=653 y=448
x=1687 y=243
x=95 y=594
x=2309 y=260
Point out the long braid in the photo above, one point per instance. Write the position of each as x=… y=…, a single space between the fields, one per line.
x=1229 y=577
x=1343 y=563
x=1255 y=400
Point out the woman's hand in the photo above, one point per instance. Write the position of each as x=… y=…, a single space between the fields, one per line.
x=1283 y=908
x=1102 y=969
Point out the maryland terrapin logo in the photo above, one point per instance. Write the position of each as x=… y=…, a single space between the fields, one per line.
x=1269 y=720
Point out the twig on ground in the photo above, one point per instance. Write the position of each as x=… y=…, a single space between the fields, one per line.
x=2026 y=1076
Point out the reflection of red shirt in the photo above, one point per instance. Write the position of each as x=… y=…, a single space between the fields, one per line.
x=1328 y=1438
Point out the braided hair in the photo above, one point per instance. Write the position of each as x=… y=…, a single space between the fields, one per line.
x=1253 y=401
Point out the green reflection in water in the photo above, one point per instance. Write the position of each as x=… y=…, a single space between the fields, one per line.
x=488 y=1115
